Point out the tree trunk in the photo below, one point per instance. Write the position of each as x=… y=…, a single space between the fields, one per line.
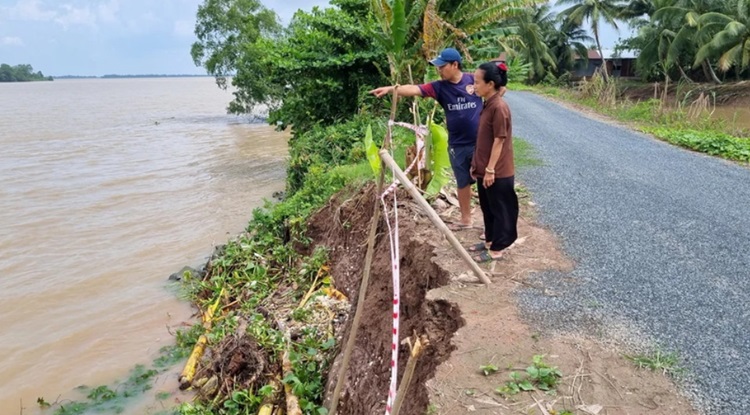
x=595 y=29
x=682 y=72
x=709 y=71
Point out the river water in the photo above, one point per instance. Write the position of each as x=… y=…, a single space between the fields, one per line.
x=107 y=186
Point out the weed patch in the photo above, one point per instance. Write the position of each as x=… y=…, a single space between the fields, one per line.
x=667 y=363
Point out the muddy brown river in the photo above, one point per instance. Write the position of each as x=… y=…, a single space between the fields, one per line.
x=107 y=186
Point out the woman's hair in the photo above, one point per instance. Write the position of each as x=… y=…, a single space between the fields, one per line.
x=496 y=72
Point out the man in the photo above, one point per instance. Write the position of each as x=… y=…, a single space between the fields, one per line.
x=455 y=93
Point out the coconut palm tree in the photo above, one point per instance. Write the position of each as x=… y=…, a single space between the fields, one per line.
x=732 y=41
x=593 y=11
x=638 y=12
x=566 y=43
x=691 y=34
x=533 y=28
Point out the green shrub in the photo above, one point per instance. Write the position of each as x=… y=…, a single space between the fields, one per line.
x=330 y=146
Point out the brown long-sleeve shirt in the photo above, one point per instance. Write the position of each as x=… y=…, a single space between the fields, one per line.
x=494 y=121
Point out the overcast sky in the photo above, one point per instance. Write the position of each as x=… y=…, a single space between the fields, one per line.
x=97 y=37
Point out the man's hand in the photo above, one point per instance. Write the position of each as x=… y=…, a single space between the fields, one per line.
x=379 y=92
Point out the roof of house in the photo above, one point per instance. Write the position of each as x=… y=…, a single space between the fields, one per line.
x=593 y=54
x=610 y=54
x=620 y=54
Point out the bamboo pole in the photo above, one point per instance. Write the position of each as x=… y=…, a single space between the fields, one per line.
x=349 y=348
x=292 y=402
x=387 y=159
x=411 y=365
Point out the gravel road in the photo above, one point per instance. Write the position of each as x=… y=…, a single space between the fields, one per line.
x=661 y=241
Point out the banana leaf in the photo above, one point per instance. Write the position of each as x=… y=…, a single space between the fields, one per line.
x=372 y=151
x=439 y=162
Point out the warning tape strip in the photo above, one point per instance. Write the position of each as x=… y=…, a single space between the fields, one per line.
x=395 y=255
x=420 y=132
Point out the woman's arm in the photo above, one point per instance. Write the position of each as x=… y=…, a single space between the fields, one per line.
x=489 y=172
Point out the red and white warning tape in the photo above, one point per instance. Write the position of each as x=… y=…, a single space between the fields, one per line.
x=395 y=255
x=420 y=132
x=394 y=241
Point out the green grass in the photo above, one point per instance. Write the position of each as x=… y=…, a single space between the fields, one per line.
x=518 y=86
x=524 y=153
x=658 y=361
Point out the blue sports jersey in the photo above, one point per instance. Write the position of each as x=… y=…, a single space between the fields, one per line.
x=462 y=108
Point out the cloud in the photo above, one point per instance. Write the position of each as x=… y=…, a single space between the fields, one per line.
x=109 y=36
x=107 y=12
x=11 y=41
x=66 y=15
x=30 y=10
x=76 y=16
x=184 y=28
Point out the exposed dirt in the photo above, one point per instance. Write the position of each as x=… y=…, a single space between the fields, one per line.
x=343 y=226
x=488 y=328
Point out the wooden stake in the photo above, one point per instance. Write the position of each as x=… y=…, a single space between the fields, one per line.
x=349 y=348
x=388 y=160
x=411 y=365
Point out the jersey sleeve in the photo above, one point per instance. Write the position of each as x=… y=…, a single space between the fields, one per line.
x=430 y=90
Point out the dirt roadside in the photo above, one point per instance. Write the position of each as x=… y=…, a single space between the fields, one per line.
x=596 y=377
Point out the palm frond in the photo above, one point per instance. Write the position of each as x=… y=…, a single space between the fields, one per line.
x=683 y=40
x=703 y=54
x=713 y=18
x=730 y=58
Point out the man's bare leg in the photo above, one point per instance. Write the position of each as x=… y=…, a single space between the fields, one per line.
x=464 y=204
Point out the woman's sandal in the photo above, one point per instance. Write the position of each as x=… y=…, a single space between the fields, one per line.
x=477 y=247
x=485 y=256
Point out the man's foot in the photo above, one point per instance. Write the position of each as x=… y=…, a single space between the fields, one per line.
x=487 y=256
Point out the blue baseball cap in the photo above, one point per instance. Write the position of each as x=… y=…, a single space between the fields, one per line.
x=448 y=55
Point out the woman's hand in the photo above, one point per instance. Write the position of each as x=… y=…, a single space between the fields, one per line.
x=489 y=179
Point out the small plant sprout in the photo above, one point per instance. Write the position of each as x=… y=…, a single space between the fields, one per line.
x=539 y=376
x=488 y=369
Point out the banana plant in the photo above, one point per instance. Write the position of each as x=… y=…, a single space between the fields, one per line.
x=391 y=18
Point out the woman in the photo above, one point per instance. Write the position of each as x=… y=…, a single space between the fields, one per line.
x=492 y=164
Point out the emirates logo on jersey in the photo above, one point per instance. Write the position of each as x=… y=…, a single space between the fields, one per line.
x=470 y=89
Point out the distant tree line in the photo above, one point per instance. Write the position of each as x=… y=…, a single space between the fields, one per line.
x=21 y=73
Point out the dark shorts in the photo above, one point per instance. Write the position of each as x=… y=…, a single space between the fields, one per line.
x=461 y=163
